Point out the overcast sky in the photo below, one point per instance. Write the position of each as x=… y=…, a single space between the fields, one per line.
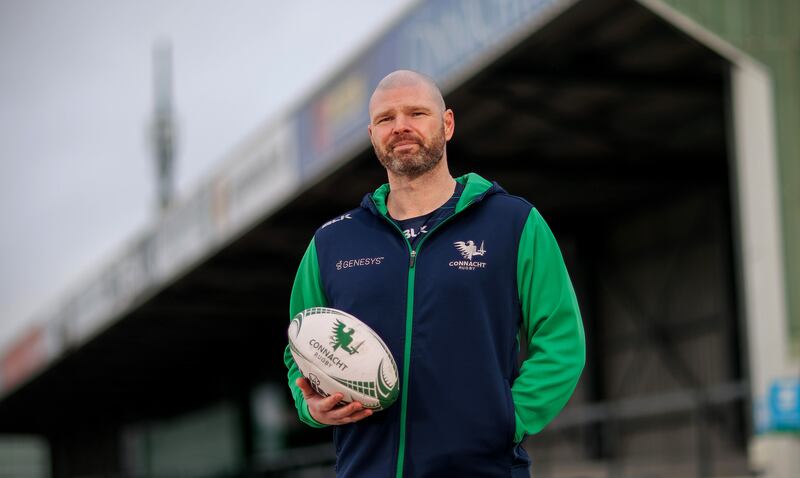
x=76 y=169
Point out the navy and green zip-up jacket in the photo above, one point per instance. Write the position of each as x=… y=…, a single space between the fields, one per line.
x=450 y=310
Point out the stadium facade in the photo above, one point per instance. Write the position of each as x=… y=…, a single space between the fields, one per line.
x=658 y=137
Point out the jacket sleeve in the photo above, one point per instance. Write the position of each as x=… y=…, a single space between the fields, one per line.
x=551 y=326
x=306 y=292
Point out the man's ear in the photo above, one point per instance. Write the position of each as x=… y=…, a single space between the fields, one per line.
x=449 y=121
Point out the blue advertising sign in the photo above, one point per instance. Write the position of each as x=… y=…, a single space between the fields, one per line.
x=784 y=405
x=441 y=38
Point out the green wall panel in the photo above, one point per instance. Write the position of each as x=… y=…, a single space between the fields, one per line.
x=769 y=31
x=24 y=457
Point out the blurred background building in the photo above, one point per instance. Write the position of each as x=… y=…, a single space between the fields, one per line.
x=658 y=138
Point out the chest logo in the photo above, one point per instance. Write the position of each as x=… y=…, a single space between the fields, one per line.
x=364 y=261
x=469 y=250
x=412 y=233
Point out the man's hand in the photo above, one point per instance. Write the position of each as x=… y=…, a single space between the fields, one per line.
x=324 y=409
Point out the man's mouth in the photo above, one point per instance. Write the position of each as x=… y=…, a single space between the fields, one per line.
x=404 y=145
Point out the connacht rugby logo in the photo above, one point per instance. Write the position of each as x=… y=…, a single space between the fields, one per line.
x=468 y=249
x=342 y=338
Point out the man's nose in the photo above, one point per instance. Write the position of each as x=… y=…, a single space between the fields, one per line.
x=401 y=124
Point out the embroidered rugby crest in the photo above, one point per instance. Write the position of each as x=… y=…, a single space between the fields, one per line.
x=469 y=250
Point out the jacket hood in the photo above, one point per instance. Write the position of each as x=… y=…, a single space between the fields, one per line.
x=475 y=189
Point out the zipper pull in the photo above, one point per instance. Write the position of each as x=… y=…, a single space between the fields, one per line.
x=413 y=259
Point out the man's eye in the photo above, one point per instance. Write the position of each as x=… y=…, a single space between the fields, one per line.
x=383 y=120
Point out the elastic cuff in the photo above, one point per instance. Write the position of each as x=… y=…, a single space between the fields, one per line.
x=306 y=417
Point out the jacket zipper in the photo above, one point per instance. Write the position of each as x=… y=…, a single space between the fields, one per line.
x=412 y=262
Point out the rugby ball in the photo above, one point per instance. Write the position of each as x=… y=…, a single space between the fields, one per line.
x=336 y=352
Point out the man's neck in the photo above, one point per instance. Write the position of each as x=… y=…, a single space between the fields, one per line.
x=421 y=195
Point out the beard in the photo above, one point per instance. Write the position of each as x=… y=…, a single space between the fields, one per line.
x=413 y=164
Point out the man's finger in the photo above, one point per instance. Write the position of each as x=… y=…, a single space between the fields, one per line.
x=328 y=403
x=360 y=415
x=305 y=387
x=346 y=411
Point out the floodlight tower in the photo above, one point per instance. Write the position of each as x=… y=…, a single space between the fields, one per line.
x=163 y=132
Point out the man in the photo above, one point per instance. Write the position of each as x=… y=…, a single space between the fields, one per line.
x=465 y=271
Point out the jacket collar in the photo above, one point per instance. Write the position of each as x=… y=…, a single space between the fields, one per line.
x=475 y=189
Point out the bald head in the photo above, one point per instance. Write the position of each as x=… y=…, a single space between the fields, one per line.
x=409 y=79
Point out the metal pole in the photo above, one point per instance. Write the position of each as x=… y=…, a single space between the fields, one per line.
x=163 y=135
